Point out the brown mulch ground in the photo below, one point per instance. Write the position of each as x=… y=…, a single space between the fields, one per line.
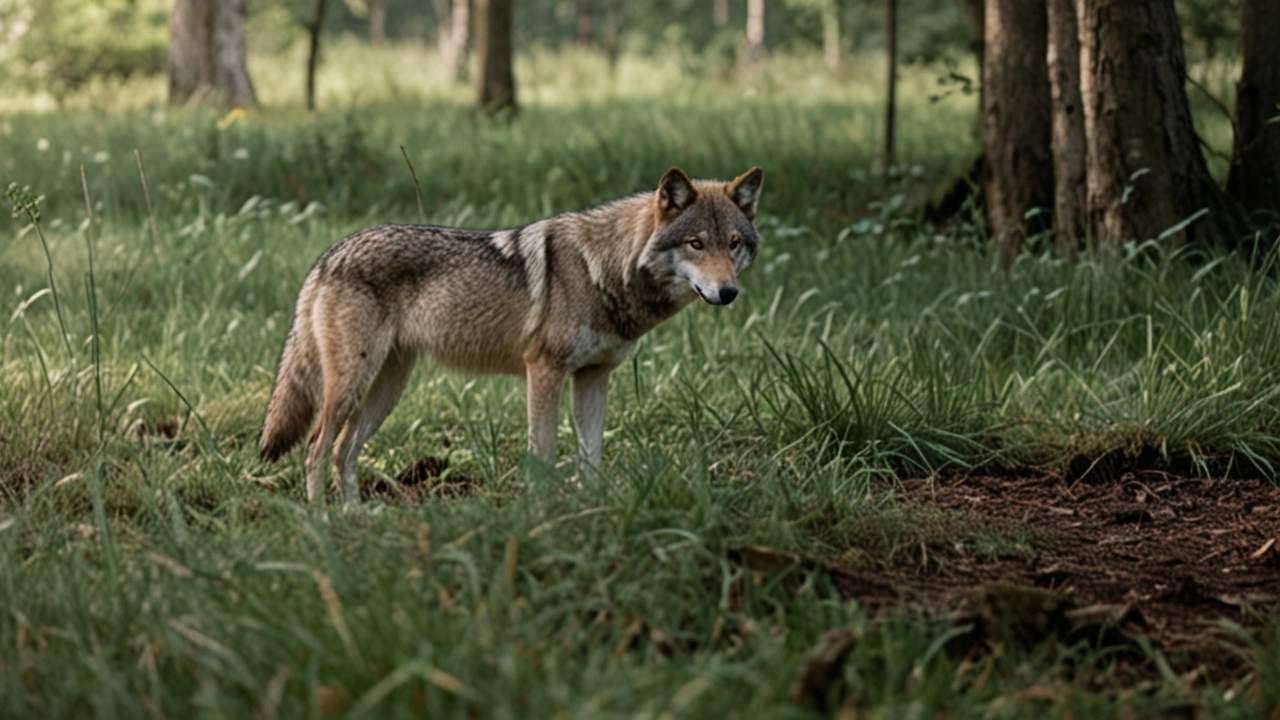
x=425 y=478
x=1169 y=555
x=1145 y=553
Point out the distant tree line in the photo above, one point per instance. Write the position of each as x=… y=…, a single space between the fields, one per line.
x=1085 y=115
x=58 y=45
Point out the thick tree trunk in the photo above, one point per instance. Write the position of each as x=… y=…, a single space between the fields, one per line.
x=496 y=88
x=755 y=31
x=1145 y=173
x=720 y=13
x=1016 y=119
x=1254 y=177
x=831 y=35
x=584 y=22
x=190 y=49
x=207 y=57
x=313 y=54
x=1068 y=129
x=377 y=21
x=891 y=85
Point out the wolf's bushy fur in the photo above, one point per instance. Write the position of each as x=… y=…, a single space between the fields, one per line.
x=568 y=295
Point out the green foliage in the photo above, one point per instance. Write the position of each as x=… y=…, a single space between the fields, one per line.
x=1211 y=28
x=59 y=45
x=151 y=564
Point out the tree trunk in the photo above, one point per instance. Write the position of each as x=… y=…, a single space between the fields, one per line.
x=453 y=21
x=831 y=35
x=975 y=12
x=207 y=57
x=613 y=31
x=190 y=49
x=496 y=88
x=313 y=55
x=755 y=31
x=459 y=30
x=891 y=85
x=1254 y=177
x=720 y=13
x=1016 y=119
x=377 y=21
x=584 y=22
x=1145 y=173
x=1068 y=129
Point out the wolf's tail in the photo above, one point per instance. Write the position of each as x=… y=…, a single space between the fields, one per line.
x=296 y=394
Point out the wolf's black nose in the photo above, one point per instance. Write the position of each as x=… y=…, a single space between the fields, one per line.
x=727 y=294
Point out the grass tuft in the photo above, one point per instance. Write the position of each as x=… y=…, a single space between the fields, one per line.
x=151 y=564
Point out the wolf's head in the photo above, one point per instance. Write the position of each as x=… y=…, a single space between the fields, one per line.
x=705 y=234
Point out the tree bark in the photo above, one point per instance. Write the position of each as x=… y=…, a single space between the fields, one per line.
x=377 y=21
x=613 y=31
x=1145 y=173
x=1254 y=177
x=891 y=85
x=831 y=35
x=720 y=13
x=975 y=11
x=313 y=54
x=1016 y=119
x=207 y=56
x=1068 y=128
x=190 y=49
x=453 y=21
x=496 y=92
x=459 y=30
x=755 y=31
x=584 y=22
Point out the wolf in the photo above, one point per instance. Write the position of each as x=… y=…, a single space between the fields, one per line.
x=566 y=296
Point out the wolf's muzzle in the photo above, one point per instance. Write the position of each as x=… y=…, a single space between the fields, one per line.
x=723 y=296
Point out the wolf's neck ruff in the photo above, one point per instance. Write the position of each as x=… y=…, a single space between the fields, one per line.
x=568 y=295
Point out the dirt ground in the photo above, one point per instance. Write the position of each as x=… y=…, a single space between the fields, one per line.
x=1153 y=554
x=1136 y=554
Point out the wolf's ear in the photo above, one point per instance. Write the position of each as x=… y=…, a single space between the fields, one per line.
x=675 y=192
x=745 y=191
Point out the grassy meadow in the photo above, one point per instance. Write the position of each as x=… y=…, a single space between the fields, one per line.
x=152 y=566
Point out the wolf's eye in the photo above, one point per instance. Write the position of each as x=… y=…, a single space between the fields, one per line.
x=694 y=243
x=734 y=244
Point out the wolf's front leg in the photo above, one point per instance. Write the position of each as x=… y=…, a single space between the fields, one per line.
x=590 y=390
x=545 y=385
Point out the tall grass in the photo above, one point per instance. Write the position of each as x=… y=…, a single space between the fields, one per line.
x=151 y=564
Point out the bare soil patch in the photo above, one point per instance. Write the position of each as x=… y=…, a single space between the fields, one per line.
x=428 y=477
x=1161 y=555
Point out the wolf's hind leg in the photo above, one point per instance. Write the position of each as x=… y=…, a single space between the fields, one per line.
x=590 y=390
x=378 y=403
x=317 y=468
x=350 y=359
